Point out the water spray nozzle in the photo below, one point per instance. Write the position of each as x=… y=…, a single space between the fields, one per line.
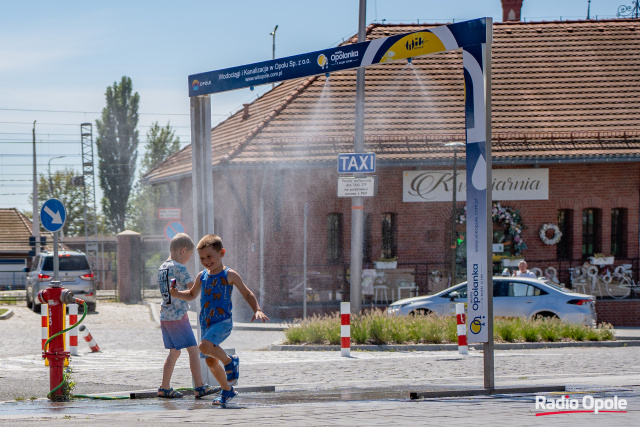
x=409 y=60
x=327 y=75
x=251 y=88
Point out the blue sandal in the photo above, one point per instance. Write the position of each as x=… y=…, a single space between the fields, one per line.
x=169 y=393
x=225 y=397
x=234 y=367
x=204 y=390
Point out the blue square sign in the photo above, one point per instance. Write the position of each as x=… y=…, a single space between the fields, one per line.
x=356 y=163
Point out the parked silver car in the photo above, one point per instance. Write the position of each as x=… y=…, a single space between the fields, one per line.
x=512 y=297
x=74 y=273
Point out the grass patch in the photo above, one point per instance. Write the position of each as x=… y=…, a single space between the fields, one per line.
x=376 y=328
x=3 y=311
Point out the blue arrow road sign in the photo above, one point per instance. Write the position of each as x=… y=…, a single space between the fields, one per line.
x=356 y=163
x=172 y=228
x=53 y=215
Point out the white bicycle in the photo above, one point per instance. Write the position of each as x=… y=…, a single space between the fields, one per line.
x=620 y=284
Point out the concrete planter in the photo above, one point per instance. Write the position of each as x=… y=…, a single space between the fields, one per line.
x=511 y=262
x=608 y=260
x=382 y=264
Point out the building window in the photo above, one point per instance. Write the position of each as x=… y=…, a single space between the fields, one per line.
x=564 y=248
x=389 y=244
x=619 y=232
x=334 y=238
x=591 y=232
x=367 y=240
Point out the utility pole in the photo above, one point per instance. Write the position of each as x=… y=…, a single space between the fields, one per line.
x=35 y=224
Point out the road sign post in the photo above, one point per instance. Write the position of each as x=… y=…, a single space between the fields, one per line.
x=52 y=216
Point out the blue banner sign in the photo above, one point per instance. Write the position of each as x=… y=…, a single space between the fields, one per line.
x=386 y=49
x=357 y=163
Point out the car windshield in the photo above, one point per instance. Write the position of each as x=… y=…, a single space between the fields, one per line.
x=67 y=263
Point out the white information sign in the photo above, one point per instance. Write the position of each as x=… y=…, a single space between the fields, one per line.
x=357 y=187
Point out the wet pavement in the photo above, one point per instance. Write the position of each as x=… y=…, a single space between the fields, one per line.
x=311 y=388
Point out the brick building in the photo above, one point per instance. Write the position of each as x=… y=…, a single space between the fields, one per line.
x=565 y=145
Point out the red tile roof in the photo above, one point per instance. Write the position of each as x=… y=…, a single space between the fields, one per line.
x=560 y=90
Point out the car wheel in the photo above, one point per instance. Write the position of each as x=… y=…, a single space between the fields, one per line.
x=29 y=300
x=421 y=312
x=36 y=307
x=545 y=315
x=91 y=307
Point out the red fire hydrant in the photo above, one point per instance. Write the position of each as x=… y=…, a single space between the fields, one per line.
x=55 y=296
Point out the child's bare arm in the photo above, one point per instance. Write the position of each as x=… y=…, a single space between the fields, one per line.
x=189 y=294
x=235 y=279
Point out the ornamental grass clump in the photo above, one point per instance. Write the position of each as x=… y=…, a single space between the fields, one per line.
x=376 y=328
x=507 y=329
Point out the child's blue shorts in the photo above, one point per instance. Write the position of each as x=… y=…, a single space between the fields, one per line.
x=216 y=333
x=177 y=333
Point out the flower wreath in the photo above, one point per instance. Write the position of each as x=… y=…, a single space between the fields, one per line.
x=557 y=234
x=510 y=218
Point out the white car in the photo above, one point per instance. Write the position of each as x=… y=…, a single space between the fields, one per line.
x=512 y=297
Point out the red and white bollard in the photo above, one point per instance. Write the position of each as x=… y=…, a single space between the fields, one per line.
x=45 y=324
x=89 y=339
x=73 y=333
x=345 y=329
x=463 y=348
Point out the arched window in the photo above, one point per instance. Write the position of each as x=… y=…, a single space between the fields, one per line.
x=334 y=238
x=389 y=242
x=619 y=232
x=564 y=248
x=591 y=232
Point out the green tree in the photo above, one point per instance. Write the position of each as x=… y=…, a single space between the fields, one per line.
x=117 y=144
x=143 y=206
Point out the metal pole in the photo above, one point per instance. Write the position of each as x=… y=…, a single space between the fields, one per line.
x=304 y=264
x=35 y=224
x=56 y=261
x=50 y=182
x=489 y=379
x=357 y=203
x=261 y=213
x=453 y=220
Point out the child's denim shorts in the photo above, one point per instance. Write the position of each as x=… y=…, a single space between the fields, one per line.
x=216 y=333
x=177 y=333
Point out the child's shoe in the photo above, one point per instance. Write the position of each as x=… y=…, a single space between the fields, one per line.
x=169 y=393
x=203 y=390
x=234 y=367
x=225 y=397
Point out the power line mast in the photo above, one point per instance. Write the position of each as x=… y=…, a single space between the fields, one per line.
x=89 y=191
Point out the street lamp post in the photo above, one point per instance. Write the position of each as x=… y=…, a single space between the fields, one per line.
x=273 y=52
x=50 y=182
x=454 y=253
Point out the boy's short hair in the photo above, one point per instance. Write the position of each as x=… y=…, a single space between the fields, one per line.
x=180 y=241
x=210 y=240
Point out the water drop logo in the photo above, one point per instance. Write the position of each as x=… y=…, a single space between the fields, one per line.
x=195 y=85
x=476 y=325
x=479 y=177
x=322 y=61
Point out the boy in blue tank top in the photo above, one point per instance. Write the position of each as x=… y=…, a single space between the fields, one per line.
x=215 y=284
x=174 y=322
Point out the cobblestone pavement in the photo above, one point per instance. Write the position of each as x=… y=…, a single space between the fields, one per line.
x=312 y=388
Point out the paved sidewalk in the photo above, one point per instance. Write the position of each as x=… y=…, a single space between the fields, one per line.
x=311 y=388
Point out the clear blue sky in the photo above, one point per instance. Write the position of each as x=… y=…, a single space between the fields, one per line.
x=58 y=57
